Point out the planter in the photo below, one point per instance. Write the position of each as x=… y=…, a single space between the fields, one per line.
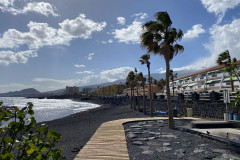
x=230 y=116
x=225 y=115
x=236 y=117
x=189 y=112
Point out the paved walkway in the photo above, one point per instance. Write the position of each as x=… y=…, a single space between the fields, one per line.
x=109 y=141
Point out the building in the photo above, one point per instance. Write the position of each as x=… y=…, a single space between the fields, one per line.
x=155 y=89
x=211 y=79
x=71 y=90
x=112 y=90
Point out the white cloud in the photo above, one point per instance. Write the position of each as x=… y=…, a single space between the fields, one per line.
x=161 y=70
x=102 y=77
x=90 y=56
x=6 y=3
x=219 y=7
x=131 y=34
x=115 y=74
x=8 y=57
x=79 y=66
x=40 y=7
x=223 y=37
x=194 y=32
x=80 y=27
x=85 y=72
x=41 y=34
x=106 y=42
x=121 y=20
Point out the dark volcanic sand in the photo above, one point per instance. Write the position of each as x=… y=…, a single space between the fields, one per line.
x=78 y=128
x=152 y=140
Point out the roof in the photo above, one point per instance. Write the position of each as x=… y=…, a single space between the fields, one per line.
x=204 y=71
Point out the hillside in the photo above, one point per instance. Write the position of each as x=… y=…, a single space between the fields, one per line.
x=23 y=93
x=31 y=92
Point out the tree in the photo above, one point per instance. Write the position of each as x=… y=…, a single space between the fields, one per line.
x=172 y=77
x=142 y=83
x=224 y=58
x=145 y=60
x=21 y=139
x=130 y=81
x=160 y=38
x=161 y=83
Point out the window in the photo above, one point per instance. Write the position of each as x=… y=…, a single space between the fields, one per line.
x=211 y=84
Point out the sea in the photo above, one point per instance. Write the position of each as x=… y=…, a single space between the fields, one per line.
x=49 y=109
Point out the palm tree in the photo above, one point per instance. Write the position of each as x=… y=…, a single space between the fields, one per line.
x=142 y=82
x=161 y=83
x=160 y=38
x=145 y=60
x=224 y=58
x=172 y=77
x=130 y=82
x=138 y=79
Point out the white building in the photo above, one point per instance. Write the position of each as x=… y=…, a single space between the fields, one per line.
x=211 y=79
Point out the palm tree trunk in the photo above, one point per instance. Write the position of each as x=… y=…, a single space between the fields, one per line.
x=173 y=87
x=131 y=98
x=144 y=101
x=170 y=110
x=232 y=85
x=134 y=99
x=150 y=92
x=138 y=99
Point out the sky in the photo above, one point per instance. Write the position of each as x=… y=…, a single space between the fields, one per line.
x=48 y=45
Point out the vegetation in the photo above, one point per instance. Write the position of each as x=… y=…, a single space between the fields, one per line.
x=172 y=77
x=160 y=38
x=130 y=82
x=20 y=139
x=161 y=84
x=145 y=60
x=224 y=58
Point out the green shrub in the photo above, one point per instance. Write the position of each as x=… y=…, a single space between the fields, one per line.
x=21 y=139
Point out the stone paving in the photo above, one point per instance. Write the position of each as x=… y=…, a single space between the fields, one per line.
x=109 y=142
x=151 y=140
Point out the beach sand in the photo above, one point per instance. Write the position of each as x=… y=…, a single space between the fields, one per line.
x=78 y=128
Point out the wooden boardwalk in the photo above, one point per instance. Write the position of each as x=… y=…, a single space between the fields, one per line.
x=109 y=141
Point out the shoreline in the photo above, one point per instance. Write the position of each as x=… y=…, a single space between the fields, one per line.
x=78 y=128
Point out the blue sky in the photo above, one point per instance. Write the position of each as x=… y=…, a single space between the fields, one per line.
x=50 y=44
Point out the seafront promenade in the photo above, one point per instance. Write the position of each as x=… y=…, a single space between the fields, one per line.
x=109 y=141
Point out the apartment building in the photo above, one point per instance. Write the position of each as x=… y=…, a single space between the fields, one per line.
x=207 y=80
x=71 y=90
x=140 y=90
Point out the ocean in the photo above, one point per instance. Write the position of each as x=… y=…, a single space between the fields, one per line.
x=49 y=109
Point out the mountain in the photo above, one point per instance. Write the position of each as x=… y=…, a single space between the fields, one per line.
x=31 y=92
x=22 y=93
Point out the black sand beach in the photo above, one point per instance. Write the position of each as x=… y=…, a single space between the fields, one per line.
x=78 y=128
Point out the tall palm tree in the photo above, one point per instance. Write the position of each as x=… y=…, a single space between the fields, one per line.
x=130 y=82
x=138 y=79
x=224 y=58
x=160 y=38
x=161 y=83
x=145 y=60
x=142 y=83
x=172 y=77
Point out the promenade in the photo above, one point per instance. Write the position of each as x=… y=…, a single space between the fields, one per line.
x=109 y=141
